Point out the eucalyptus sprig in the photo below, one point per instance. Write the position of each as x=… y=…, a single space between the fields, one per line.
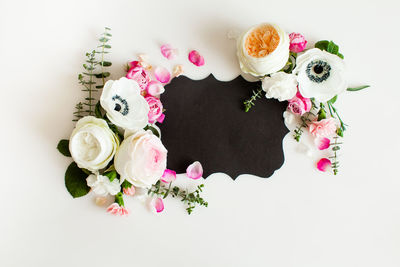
x=335 y=162
x=250 y=102
x=191 y=199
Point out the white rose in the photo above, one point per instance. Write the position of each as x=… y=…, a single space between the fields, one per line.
x=92 y=144
x=280 y=85
x=141 y=159
x=102 y=186
x=320 y=75
x=262 y=50
x=124 y=104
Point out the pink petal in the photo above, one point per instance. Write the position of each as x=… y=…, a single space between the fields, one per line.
x=177 y=71
x=196 y=58
x=155 y=88
x=323 y=164
x=113 y=208
x=168 y=52
x=161 y=118
x=162 y=74
x=195 y=170
x=158 y=204
x=168 y=176
x=130 y=191
x=322 y=143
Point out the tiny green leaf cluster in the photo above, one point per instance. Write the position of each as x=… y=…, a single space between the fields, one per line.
x=250 y=102
x=191 y=199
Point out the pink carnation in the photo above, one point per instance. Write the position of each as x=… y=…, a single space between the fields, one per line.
x=116 y=209
x=299 y=104
x=297 y=42
x=138 y=74
x=156 y=109
x=323 y=128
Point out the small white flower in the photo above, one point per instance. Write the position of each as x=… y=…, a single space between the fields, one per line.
x=321 y=75
x=280 y=85
x=92 y=144
x=254 y=49
x=124 y=104
x=102 y=186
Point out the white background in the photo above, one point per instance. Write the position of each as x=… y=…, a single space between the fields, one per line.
x=298 y=217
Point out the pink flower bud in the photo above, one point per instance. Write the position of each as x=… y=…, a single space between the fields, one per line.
x=156 y=109
x=297 y=42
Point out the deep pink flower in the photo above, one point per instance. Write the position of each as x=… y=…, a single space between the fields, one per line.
x=138 y=74
x=116 y=209
x=195 y=170
x=168 y=52
x=162 y=74
x=323 y=164
x=168 y=176
x=297 y=42
x=196 y=58
x=323 y=128
x=129 y=191
x=299 y=104
x=156 y=109
x=322 y=143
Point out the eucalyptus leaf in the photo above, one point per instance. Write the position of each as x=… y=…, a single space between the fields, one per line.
x=102 y=75
x=106 y=64
x=354 y=89
x=63 y=147
x=75 y=181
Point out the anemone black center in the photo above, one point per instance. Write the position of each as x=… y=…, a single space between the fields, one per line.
x=318 y=69
x=205 y=121
x=117 y=107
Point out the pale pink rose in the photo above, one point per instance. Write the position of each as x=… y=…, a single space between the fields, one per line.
x=323 y=128
x=129 y=191
x=299 y=104
x=297 y=42
x=323 y=164
x=138 y=74
x=156 y=109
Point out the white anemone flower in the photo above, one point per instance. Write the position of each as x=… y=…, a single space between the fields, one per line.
x=320 y=75
x=124 y=104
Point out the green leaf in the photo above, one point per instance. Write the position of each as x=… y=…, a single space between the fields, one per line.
x=103 y=39
x=323 y=45
x=332 y=48
x=107 y=46
x=154 y=130
x=333 y=100
x=106 y=64
x=97 y=111
x=102 y=75
x=340 y=55
x=75 y=181
x=111 y=175
x=63 y=147
x=354 y=89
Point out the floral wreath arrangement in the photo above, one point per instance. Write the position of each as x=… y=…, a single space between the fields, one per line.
x=309 y=79
x=115 y=146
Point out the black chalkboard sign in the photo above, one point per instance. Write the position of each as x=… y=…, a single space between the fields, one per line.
x=205 y=121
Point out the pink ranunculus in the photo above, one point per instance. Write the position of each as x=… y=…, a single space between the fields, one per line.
x=299 y=104
x=297 y=42
x=156 y=109
x=138 y=74
x=323 y=128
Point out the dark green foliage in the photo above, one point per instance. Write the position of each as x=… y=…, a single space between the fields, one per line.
x=63 y=147
x=330 y=47
x=75 y=181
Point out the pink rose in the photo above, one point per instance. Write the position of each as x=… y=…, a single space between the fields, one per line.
x=138 y=74
x=323 y=128
x=297 y=42
x=156 y=109
x=299 y=104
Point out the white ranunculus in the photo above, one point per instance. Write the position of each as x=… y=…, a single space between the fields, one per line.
x=258 y=59
x=141 y=159
x=92 y=144
x=280 y=85
x=320 y=74
x=124 y=104
x=102 y=186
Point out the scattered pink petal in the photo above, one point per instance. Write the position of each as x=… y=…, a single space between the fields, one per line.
x=155 y=88
x=157 y=204
x=177 y=71
x=162 y=74
x=323 y=164
x=116 y=209
x=322 y=143
x=168 y=176
x=196 y=58
x=130 y=191
x=168 y=52
x=195 y=170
